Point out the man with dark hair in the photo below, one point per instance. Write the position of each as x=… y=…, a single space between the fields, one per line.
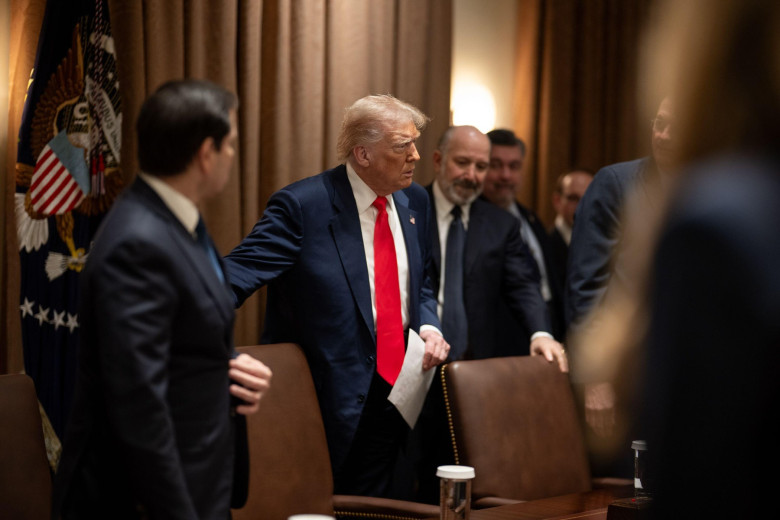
x=507 y=156
x=345 y=255
x=569 y=189
x=157 y=427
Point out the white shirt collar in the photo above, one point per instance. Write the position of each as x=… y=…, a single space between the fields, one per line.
x=181 y=207
x=563 y=228
x=364 y=195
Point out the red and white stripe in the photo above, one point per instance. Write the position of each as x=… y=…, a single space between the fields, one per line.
x=53 y=190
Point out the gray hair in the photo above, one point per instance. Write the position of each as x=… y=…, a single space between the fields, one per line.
x=366 y=121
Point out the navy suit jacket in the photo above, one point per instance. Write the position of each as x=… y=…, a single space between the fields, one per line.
x=499 y=272
x=308 y=248
x=152 y=422
x=596 y=233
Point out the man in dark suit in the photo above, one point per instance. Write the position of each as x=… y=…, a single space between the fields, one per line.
x=569 y=190
x=497 y=265
x=157 y=429
x=487 y=267
x=592 y=262
x=507 y=156
x=319 y=246
x=597 y=219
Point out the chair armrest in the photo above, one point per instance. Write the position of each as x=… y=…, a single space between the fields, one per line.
x=485 y=502
x=351 y=507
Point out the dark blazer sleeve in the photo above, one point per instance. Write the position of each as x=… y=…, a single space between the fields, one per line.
x=271 y=248
x=593 y=240
x=429 y=287
x=522 y=286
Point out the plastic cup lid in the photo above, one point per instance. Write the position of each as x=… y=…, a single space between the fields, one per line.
x=639 y=445
x=456 y=472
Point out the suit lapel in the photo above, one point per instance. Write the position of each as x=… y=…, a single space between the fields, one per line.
x=196 y=259
x=347 y=234
x=435 y=238
x=473 y=234
x=201 y=264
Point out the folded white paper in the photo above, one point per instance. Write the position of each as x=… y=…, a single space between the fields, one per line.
x=411 y=387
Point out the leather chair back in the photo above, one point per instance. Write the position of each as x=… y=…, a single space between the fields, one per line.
x=25 y=476
x=290 y=471
x=514 y=419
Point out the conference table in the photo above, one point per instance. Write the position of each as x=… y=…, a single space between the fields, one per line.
x=590 y=505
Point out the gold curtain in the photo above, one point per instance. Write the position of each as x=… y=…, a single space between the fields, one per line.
x=576 y=89
x=26 y=20
x=295 y=65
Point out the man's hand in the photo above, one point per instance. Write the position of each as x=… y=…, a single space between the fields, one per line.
x=436 y=349
x=551 y=350
x=253 y=378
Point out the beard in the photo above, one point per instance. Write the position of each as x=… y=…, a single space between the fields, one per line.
x=462 y=191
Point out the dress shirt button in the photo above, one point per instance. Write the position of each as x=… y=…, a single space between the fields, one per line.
x=361 y=398
x=370 y=360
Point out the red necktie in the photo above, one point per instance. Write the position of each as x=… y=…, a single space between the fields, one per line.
x=389 y=327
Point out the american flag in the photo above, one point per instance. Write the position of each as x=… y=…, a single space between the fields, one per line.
x=60 y=180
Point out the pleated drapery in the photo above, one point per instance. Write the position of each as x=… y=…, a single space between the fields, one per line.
x=295 y=65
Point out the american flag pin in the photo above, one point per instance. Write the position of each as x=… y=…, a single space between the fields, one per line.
x=411 y=219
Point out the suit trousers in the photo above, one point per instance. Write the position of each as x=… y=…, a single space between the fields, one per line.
x=370 y=464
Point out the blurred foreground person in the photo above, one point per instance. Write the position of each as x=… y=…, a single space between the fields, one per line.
x=706 y=299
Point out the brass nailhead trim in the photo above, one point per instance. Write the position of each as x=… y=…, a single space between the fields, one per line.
x=343 y=514
x=449 y=412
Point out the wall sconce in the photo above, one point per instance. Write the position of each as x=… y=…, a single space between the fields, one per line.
x=473 y=104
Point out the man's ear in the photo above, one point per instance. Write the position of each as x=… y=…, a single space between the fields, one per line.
x=437 y=156
x=362 y=156
x=206 y=154
x=556 y=200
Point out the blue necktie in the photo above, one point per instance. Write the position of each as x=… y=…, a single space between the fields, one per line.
x=202 y=237
x=453 y=319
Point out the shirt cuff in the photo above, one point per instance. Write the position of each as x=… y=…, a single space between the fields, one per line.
x=541 y=334
x=423 y=328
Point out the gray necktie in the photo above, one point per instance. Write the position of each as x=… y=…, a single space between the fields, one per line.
x=453 y=320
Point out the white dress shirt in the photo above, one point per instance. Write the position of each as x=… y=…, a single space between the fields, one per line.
x=364 y=198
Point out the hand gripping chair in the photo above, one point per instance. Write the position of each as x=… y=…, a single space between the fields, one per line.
x=25 y=477
x=514 y=419
x=290 y=470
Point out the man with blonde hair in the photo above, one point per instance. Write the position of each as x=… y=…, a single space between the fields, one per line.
x=345 y=256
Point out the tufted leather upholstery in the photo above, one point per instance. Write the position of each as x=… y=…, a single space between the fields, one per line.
x=514 y=419
x=290 y=470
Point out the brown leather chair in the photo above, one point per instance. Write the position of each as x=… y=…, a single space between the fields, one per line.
x=290 y=470
x=25 y=477
x=514 y=419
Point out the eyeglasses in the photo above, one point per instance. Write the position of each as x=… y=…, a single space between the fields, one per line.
x=662 y=125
